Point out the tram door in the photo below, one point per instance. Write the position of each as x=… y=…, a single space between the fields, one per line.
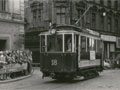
x=77 y=49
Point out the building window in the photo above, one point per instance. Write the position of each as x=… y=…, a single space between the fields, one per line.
x=61 y=15
x=109 y=23
x=116 y=25
x=93 y=20
x=93 y=1
x=3 y=5
x=109 y=3
x=39 y=15
x=102 y=2
x=80 y=13
x=34 y=17
x=102 y=22
x=116 y=4
x=36 y=8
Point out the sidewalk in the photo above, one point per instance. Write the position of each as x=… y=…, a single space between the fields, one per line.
x=36 y=71
x=16 y=79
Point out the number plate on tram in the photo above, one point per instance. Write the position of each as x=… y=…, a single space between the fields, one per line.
x=53 y=62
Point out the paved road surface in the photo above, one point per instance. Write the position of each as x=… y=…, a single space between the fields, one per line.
x=108 y=80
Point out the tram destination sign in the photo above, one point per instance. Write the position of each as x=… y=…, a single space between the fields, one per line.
x=93 y=32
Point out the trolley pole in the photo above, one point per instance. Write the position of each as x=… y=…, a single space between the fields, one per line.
x=104 y=13
x=83 y=15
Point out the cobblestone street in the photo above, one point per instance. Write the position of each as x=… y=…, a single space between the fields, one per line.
x=108 y=80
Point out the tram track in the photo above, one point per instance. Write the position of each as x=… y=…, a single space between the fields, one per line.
x=49 y=85
x=37 y=83
x=103 y=82
x=46 y=84
x=41 y=85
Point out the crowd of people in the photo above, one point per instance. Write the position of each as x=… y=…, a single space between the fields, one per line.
x=15 y=56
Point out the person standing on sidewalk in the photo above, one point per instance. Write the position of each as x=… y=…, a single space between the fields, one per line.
x=118 y=61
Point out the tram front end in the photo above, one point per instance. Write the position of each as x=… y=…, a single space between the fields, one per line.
x=57 y=58
x=57 y=65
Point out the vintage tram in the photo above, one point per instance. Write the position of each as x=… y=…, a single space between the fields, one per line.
x=68 y=51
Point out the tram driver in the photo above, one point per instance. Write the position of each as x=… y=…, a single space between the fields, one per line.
x=68 y=43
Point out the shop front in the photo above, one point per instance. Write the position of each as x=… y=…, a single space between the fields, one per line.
x=117 y=52
x=109 y=45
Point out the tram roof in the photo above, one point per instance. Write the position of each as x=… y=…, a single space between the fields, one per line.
x=74 y=29
x=69 y=27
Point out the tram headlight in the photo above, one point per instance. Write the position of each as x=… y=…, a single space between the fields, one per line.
x=53 y=31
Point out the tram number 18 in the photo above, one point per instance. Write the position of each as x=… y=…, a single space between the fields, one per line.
x=53 y=62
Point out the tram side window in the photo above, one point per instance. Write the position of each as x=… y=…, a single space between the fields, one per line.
x=54 y=43
x=76 y=38
x=42 y=43
x=83 y=44
x=84 y=54
x=99 y=46
x=92 y=44
x=68 y=43
x=88 y=44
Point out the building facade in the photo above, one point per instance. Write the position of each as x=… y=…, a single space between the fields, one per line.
x=11 y=24
x=102 y=16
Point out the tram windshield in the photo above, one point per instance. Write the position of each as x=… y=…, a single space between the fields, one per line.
x=67 y=43
x=56 y=43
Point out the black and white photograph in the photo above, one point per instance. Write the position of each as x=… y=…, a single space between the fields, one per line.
x=59 y=44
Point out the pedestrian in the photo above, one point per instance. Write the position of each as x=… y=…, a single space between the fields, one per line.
x=2 y=58
x=118 y=61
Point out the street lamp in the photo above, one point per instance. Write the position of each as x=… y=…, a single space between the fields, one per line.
x=104 y=13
